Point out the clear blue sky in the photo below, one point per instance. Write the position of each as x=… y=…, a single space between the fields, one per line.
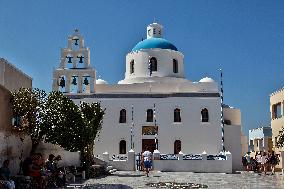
x=244 y=38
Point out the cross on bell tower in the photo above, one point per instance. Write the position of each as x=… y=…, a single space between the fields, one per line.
x=75 y=70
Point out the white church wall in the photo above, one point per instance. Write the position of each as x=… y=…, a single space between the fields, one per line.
x=195 y=136
x=232 y=142
x=166 y=86
x=68 y=158
x=233 y=114
x=233 y=136
x=164 y=63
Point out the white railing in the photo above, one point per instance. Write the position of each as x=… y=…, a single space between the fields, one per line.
x=203 y=163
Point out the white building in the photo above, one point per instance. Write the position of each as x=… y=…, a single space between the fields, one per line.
x=154 y=105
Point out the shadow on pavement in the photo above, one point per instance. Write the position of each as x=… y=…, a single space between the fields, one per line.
x=107 y=186
x=126 y=175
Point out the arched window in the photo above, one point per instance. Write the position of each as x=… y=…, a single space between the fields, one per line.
x=132 y=67
x=122 y=116
x=149 y=115
x=122 y=147
x=153 y=62
x=177 y=146
x=175 y=66
x=177 y=117
x=204 y=115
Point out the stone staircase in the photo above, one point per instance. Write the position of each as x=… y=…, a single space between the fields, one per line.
x=110 y=169
x=99 y=163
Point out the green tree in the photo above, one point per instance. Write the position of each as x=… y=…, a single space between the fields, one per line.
x=73 y=128
x=63 y=121
x=28 y=110
x=92 y=115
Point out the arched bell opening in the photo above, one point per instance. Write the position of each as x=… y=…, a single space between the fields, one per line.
x=69 y=61
x=62 y=83
x=86 y=84
x=74 y=84
x=75 y=43
x=80 y=61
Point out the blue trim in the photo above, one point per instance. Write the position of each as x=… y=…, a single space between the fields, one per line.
x=153 y=43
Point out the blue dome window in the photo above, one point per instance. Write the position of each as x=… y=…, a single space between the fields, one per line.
x=153 y=43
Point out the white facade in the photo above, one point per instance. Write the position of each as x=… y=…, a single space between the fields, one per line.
x=185 y=114
x=195 y=136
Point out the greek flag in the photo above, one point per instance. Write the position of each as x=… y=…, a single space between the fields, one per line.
x=150 y=67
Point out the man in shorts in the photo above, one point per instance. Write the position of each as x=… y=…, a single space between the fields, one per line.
x=147 y=158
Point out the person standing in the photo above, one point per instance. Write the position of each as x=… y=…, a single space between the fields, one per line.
x=147 y=158
x=258 y=159
x=273 y=162
x=264 y=162
x=5 y=175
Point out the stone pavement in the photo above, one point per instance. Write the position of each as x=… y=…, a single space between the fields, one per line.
x=128 y=180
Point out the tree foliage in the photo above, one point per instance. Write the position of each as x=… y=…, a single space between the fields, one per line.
x=63 y=121
x=71 y=127
x=29 y=108
x=58 y=120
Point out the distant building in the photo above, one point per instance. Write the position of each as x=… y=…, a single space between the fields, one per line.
x=277 y=120
x=260 y=139
x=235 y=140
x=13 y=78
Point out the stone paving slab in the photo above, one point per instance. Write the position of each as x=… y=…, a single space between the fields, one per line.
x=138 y=180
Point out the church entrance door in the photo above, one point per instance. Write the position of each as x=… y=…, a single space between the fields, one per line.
x=150 y=143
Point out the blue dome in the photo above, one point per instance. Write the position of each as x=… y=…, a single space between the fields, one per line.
x=152 y=43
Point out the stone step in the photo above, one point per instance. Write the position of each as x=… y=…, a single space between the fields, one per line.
x=112 y=170
x=109 y=168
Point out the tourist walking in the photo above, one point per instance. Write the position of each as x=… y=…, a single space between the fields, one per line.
x=248 y=161
x=264 y=159
x=273 y=160
x=245 y=162
x=147 y=158
x=258 y=159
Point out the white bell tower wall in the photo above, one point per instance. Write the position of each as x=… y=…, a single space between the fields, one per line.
x=75 y=67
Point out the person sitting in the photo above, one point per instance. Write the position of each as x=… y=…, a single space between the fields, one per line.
x=27 y=166
x=5 y=175
x=50 y=164
x=37 y=171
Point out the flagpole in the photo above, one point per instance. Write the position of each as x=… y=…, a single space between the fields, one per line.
x=222 y=111
x=156 y=133
x=131 y=129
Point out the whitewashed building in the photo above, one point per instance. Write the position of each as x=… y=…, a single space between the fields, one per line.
x=154 y=105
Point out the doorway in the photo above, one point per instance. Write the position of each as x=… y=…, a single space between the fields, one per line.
x=150 y=143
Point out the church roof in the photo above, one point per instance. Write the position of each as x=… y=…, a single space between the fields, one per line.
x=152 y=43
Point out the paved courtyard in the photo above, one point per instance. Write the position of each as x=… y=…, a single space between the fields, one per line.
x=128 y=180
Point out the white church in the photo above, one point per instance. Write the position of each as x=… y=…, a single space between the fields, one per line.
x=154 y=106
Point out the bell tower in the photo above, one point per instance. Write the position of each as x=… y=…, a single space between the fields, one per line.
x=74 y=74
x=154 y=30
